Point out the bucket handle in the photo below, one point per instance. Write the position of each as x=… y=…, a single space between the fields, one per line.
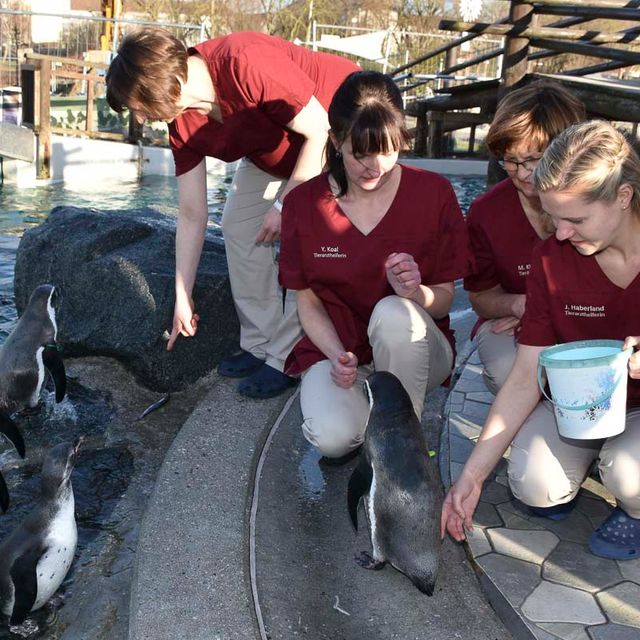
x=582 y=407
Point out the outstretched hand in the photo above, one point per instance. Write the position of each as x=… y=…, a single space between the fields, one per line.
x=459 y=506
x=634 y=360
x=403 y=274
x=185 y=321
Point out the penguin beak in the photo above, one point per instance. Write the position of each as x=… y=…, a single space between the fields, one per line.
x=76 y=445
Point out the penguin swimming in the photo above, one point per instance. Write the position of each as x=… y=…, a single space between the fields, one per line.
x=27 y=351
x=400 y=484
x=37 y=555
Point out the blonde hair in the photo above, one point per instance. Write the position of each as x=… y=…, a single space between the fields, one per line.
x=534 y=114
x=593 y=159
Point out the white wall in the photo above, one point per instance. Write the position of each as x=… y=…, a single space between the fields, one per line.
x=84 y=162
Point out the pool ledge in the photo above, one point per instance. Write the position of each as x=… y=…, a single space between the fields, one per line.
x=77 y=161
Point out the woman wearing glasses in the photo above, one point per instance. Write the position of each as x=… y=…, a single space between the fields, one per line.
x=506 y=222
x=589 y=184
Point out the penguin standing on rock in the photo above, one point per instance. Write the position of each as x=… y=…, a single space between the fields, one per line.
x=27 y=351
x=400 y=484
x=37 y=555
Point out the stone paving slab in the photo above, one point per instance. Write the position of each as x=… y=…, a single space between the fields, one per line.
x=538 y=573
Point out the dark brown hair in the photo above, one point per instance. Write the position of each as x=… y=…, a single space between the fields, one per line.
x=144 y=75
x=535 y=114
x=367 y=109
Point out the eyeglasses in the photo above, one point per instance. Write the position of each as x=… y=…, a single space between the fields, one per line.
x=512 y=166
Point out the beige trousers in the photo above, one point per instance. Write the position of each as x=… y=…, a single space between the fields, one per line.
x=546 y=469
x=405 y=341
x=266 y=330
x=497 y=352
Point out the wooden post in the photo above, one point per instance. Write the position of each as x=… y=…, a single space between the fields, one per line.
x=135 y=129
x=472 y=139
x=435 y=141
x=420 y=144
x=43 y=121
x=91 y=90
x=516 y=49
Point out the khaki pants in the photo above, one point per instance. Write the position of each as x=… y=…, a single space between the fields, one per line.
x=406 y=342
x=497 y=352
x=266 y=330
x=546 y=469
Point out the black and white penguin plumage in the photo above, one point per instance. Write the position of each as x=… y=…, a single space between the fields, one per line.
x=37 y=555
x=27 y=351
x=400 y=484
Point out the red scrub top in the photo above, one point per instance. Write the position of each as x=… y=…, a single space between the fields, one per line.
x=570 y=298
x=262 y=82
x=321 y=250
x=501 y=239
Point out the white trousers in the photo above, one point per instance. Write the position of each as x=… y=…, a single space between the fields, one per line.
x=267 y=330
x=546 y=469
x=497 y=352
x=406 y=342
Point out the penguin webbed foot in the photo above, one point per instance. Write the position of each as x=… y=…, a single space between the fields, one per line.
x=26 y=629
x=29 y=412
x=367 y=561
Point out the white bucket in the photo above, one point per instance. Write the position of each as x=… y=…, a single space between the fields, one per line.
x=588 y=384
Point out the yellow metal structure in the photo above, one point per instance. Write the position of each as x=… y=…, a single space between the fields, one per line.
x=110 y=9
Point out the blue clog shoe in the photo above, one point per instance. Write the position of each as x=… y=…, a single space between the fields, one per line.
x=617 y=538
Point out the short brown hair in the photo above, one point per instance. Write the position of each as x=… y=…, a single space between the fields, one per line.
x=144 y=75
x=535 y=114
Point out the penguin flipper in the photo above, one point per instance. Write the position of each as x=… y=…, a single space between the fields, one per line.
x=25 y=583
x=359 y=484
x=4 y=494
x=10 y=431
x=54 y=364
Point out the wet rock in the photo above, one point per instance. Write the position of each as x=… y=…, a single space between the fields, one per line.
x=115 y=271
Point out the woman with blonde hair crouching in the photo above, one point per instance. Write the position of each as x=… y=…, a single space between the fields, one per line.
x=589 y=184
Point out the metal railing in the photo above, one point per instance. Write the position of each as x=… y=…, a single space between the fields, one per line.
x=69 y=35
x=394 y=47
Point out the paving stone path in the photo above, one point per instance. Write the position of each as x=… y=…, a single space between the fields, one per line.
x=539 y=574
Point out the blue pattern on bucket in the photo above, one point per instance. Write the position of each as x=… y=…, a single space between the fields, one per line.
x=584 y=379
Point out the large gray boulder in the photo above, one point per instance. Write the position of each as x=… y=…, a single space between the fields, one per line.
x=115 y=271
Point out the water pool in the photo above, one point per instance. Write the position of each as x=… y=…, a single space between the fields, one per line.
x=116 y=460
x=21 y=208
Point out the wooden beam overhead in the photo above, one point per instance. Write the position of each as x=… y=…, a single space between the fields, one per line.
x=591 y=36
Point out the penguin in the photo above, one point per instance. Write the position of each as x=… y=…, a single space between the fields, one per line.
x=400 y=484
x=27 y=351
x=37 y=555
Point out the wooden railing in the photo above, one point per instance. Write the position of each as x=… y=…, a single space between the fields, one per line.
x=449 y=111
x=36 y=75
